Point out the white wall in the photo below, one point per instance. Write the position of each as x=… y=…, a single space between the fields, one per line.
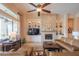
x=65 y=25
x=36 y=38
x=47 y=22
x=76 y=23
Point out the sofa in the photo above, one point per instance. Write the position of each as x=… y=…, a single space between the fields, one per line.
x=69 y=44
x=22 y=51
x=70 y=48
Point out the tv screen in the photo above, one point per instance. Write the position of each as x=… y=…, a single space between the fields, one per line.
x=34 y=31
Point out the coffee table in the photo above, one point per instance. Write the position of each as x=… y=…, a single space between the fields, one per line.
x=52 y=47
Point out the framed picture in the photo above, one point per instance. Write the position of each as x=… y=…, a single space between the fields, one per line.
x=69 y=30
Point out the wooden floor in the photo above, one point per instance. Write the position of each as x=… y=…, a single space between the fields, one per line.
x=37 y=48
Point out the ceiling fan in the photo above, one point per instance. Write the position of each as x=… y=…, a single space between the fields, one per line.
x=39 y=8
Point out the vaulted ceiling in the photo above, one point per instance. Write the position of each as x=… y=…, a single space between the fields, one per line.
x=59 y=8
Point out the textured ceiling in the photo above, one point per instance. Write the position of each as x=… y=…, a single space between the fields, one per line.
x=59 y=8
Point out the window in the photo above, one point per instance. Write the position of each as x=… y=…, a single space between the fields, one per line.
x=15 y=26
x=7 y=26
x=3 y=28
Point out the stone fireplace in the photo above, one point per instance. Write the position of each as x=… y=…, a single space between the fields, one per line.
x=48 y=35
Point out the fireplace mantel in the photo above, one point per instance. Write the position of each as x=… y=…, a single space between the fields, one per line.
x=48 y=32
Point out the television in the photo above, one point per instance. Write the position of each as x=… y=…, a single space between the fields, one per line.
x=33 y=31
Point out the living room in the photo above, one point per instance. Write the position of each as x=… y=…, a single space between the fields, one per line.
x=39 y=29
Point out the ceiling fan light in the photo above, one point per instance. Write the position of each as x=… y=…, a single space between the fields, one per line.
x=38 y=9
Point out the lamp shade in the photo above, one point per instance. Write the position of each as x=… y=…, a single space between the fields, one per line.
x=12 y=35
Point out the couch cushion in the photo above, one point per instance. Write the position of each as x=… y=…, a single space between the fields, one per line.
x=75 y=43
x=67 y=46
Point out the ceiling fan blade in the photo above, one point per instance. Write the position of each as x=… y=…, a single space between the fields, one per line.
x=31 y=10
x=33 y=5
x=46 y=4
x=46 y=11
x=38 y=13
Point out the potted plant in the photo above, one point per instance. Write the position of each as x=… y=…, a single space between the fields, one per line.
x=23 y=41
